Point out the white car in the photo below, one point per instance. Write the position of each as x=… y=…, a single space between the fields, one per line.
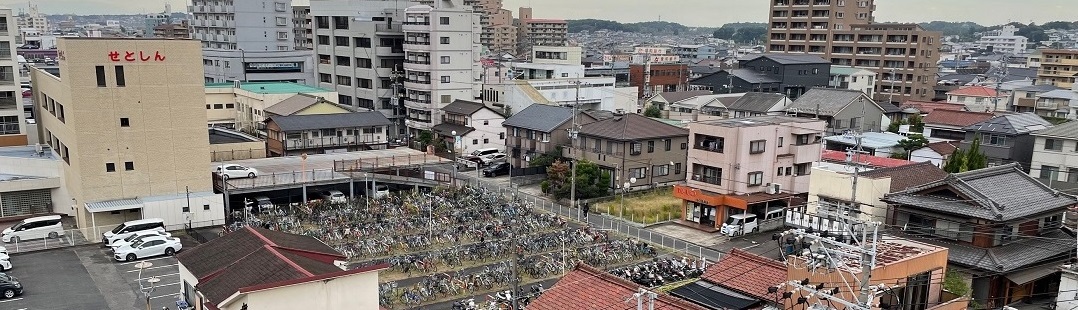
x=5 y=262
x=236 y=171
x=334 y=196
x=493 y=158
x=147 y=247
x=138 y=236
x=3 y=250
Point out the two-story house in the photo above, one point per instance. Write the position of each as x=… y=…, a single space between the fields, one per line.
x=757 y=104
x=1057 y=103
x=1002 y=228
x=829 y=189
x=950 y=124
x=633 y=147
x=842 y=109
x=1006 y=139
x=978 y=98
x=326 y=133
x=1055 y=156
x=747 y=165
x=788 y=74
x=1024 y=99
x=539 y=129
x=853 y=78
x=477 y=125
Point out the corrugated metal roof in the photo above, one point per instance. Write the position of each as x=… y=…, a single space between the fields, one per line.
x=114 y=205
x=323 y=121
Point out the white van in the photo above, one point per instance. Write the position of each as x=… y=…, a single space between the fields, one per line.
x=34 y=228
x=485 y=151
x=130 y=227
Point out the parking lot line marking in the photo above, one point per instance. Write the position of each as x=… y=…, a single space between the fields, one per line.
x=165 y=266
x=9 y=300
x=145 y=260
x=164 y=275
x=169 y=295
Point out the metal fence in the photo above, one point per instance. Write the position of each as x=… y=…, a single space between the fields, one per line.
x=92 y=235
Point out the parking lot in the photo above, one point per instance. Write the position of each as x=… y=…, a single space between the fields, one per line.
x=87 y=277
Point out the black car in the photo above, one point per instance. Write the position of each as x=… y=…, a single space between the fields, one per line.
x=9 y=286
x=496 y=170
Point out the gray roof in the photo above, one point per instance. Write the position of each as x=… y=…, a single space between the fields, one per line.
x=756 y=102
x=1011 y=124
x=889 y=108
x=325 y=121
x=675 y=96
x=1028 y=252
x=1064 y=130
x=462 y=107
x=293 y=104
x=788 y=59
x=447 y=129
x=541 y=117
x=224 y=136
x=753 y=77
x=828 y=101
x=1059 y=94
x=1000 y=193
x=1039 y=88
x=632 y=127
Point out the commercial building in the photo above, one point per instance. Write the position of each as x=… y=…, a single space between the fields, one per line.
x=903 y=56
x=747 y=165
x=1003 y=40
x=244 y=106
x=249 y=41
x=13 y=125
x=144 y=158
x=662 y=78
x=1058 y=68
x=363 y=59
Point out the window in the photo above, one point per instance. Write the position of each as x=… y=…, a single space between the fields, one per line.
x=779 y=173
x=110 y=167
x=121 y=81
x=803 y=139
x=445 y=60
x=475 y=141
x=363 y=42
x=340 y=41
x=638 y=173
x=1072 y=175
x=757 y=147
x=677 y=168
x=125 y=122
x=486 y=122
x=365 y=83
x=100 y=76
x=661 y=170
x=501 y=136
x=129 y=165
x=756 y=178
x=282 y=21
x=445 y=79
x=340 y=22
x=1049 y=172
x=447 y=98
x=780 y=141
x=9 y=125
x=667 y=143
x=186 y=209
x=684 y=145
x=363 y=63
x=321 y=22
x=344 y=61
x=994 y=139
x=444 y=20
x=801 y=169
x=323 y=40
x=651 y=146
x=634 y=148
x=788 y=170
x=1053 y=145
x=443 y=40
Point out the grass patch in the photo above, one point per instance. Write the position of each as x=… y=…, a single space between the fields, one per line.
x=648 y=207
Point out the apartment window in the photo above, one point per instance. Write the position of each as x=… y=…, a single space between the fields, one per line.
x=661 y=170
x=110 y=167
x=501 y=136
x=363 y=42
x=282 y=21
x=803 y=139
x=321 y=22
x=128 y=165
x=788 y=169
x=677 y=168
x=340 y=41
x=780 y=170
x=445 y=60
x=1053 y=145
x=363 y=63
x=100 y=76
x=684 y=145
x=544 y=137
x=344 y=60
x=9 y=125
x=323 y=40
x=801 y=169
x=756 y=178
x=757 y=147
x=121 y=81
x=780 y=141
x=125 y=122
x=1049 y=172
x=1072 y=175
x=340 y=22
x=634 y=148
x=205 y=207
x=651 y=146
x=444 y=20
x=445 y=79
x=638 y=173
x=325 y=78
x=365 y=83
x=344 y=80
x=447 y=98
x=443 y=40
x=667 y=143
x=994 y=139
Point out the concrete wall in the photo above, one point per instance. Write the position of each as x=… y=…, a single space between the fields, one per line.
x=217 y=71
x=488 y=131
x=837 y=185
x=51 y=177
x=358 y=291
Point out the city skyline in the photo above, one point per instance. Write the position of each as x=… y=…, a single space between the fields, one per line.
x=697 y=13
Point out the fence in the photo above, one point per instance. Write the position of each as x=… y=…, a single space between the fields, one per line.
x=219 y=156
x=374 y=163
x=93 y=235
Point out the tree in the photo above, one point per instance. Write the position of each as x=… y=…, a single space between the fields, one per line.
x=917 y=124
x=975 y=158
x=955 y=162
x=547 y=159
x=894 y=126
x=724 y=33
x=653 y=111
x=912 y=142
x=750 y=34
x=591 y=180
x=557 y=174
x=425 y=138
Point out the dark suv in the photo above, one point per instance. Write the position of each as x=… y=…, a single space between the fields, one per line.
x=496 y=170
x=9 y=286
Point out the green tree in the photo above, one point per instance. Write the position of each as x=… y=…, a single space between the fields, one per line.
x=591 y=181
x=557 y=175
x=425 y=138
x=911 y=143
x=750 y=34
x=975 y=158
x=917 y=124
x=894 y=126
x=653 y=111
x=724 y=33
x=546 y=159
x=955 y=162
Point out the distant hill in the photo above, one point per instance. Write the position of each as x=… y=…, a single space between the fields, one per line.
x=581 y=25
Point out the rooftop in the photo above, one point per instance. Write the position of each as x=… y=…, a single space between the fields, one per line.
x=909 y=175
x=845 y=70
x=956 y=118
x=1068 y=130
x=631 y=127
x=891 y=250
x=787 y=59
x=766 y=120
x=927 y=107
x=1011 y=124
x=865 y=159
x=271 y=87
x=974 y=91
x=589 y=288
x=828 y=101
x=540 y=117
x=872 y=140
x=677 y=96
x=26 y=151
x=323 y=121
x=225 y=136
x=746 y=273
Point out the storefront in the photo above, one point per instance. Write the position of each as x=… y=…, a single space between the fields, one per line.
x=706 y=208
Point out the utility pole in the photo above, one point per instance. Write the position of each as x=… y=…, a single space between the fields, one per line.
x=640 y=299
x=1000 y=74
x=394 y=101
x=573 y=131
x=891 y=96
x=647 y=76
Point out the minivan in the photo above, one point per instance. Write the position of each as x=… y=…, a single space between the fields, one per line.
x=34 y=228
x=485 y=151
x=130 y=227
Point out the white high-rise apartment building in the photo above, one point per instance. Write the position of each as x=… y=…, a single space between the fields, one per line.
x=249 y=41
x=1004 y=40
x=33 y=24
x=13 y=129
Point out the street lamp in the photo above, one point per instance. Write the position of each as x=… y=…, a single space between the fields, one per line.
x=146 y=291
x=625 y=188
x=454 y=133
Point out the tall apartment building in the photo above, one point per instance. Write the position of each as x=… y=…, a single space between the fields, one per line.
x=128 y=151
x=249 y=41
x=359 y=46
x=13 y=129
x=499 y=34
x=32 y=21
x=301 y=25
x=539 y=32
x=1058 y=68
x=1004 y=40
x=903 y=56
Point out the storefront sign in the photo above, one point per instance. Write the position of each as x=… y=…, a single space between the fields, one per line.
x=699 y=196
x=135 y=56
x=256 y=67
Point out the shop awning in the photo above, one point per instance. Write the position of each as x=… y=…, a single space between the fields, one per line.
x=114 y=205
x=1031 y=274
x=714 y=296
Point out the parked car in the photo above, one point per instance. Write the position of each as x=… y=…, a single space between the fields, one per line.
x=130 y=227
x=485 y=151
x=3 y=250
x=148 y=247
x=334 y=196
x=380 y=191
x=139 y=236
x=469 y=162
x=496 y=170
x=5 y=262
x=34 y=228
x=493 y=158
x=236 y=171
x=9 y=286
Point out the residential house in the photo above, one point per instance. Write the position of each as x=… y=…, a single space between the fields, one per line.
x=829 y=190
x=729 y=81
x=539 y=129
x=740 y=280
x=936 y=153
x=882 y=144
x=1057 y=103
x=326 y=133
x=926 y=107
x=950 y=125
x=1001 y=226
x=1006 y=139
x=702 y=107
x=757 y=104
x=665 y=99
x=978 y=98
x=254 y=268
x=864 y=160
x=587 y=287
x=1024 y=99
x=305 y=104
x=792 y=75
x=477 y=125
x=853 y=78
x=1055 y=156
x=843 y=110
x=747 y=165
x=632 y=146
x=242 y=105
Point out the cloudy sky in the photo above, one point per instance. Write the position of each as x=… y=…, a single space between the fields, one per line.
x=708 y=13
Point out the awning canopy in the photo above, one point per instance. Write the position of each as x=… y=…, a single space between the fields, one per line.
x=114 y=205
x=714 y=296
x=1031 y=274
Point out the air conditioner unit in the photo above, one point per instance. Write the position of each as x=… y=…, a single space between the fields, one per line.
x=773 y=188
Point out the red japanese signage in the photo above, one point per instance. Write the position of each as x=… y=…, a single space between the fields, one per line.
x=135 y=56
x=60 y=55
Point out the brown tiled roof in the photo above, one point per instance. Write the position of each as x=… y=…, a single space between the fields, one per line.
x=588 y=288
x=956 y=118
x=747 y=273
x=909 y=175
x=929 y=106
x=839 y=157
x=631 y=127
x=943 y=147
x=974 y=91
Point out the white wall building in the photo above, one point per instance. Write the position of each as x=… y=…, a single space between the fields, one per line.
x=249 y=41
x=1004 y=40
x=853 y=78
x=242 y=106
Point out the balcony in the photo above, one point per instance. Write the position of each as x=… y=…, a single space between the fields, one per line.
x=417 y=104
x=8 y=103
x=417 y=84
x=417 y=65
x=418 y=124
x=333 y=142
x=1047 y=105
x=389 y=29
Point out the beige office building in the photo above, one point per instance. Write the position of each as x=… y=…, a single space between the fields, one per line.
x=128 y=119
x=903 y=56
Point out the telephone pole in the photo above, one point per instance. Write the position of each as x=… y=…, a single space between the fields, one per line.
x=394 y=100
x=573 y=131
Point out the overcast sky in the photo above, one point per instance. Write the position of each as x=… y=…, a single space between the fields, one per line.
x=705 y=13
